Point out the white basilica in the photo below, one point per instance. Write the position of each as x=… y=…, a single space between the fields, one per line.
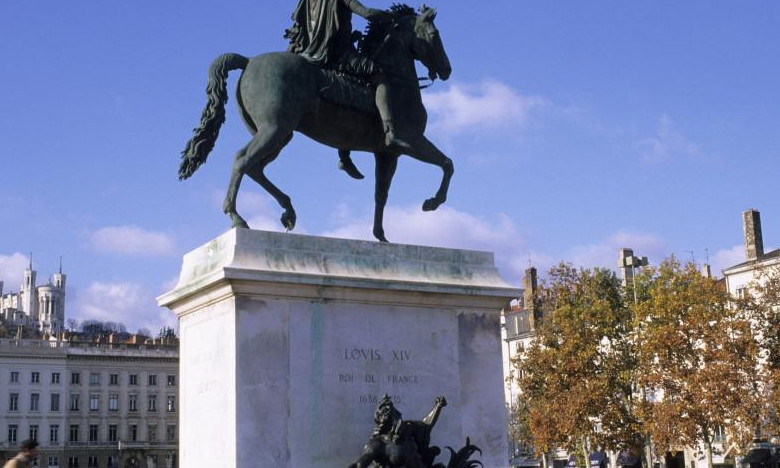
x=40 y=307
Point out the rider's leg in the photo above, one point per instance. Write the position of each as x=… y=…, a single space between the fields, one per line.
x=384 y=102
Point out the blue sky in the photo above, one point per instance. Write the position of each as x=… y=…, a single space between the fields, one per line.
x=576 y=128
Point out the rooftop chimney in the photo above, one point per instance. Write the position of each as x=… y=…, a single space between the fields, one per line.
x=754 y=242
x=529 y=289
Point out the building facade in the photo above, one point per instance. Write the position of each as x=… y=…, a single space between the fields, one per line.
x=90 y=400
x=739 y=277
x=89 y=405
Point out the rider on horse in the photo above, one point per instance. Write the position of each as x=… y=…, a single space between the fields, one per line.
x=322 y=34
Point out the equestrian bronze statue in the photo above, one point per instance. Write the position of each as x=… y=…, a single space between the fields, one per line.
x=352 y=99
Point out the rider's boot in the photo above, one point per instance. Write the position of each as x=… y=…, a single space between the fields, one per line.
x=346 y=165
x=392 y=142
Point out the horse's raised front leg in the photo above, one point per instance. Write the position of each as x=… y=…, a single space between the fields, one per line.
x=385 y=170
x=261 y=150
x=425 y=151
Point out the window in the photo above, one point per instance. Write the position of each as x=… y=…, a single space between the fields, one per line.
x=113 y=379
x=152 y=432
x=171 y=405
x=35 y=377
x=75 y=378
x=113 y=402
x=93 y=432
x=35 y=402
x=112 y=461
x=133 y=379
x=13 y=402
x=94 y=378
x=13 y=433
x=33 y=432
x=94 y=401
x=55 y=377
x=719 y=435
x=74 y=433
x=54 y=433
x=170 y=432
x=152 y=402
x=152 y=380
x=54 y=462
x=73 y=462
x=54 y=405
x=14 y=377
x=112 y=432
x=132 y=402
x=171 y=380
x=134 y=432
x=74 y=402
x=92 y=461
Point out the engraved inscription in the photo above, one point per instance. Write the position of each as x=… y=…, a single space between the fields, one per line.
x=402 y=379
x=373 y=399
x=372 y=372
x=362 y=354
x=207 y=386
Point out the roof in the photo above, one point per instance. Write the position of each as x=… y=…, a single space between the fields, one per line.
x=767 y=256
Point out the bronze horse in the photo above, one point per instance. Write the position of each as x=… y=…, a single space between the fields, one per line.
x=279 y=93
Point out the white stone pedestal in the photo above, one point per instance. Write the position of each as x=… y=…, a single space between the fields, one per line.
x=288 y=342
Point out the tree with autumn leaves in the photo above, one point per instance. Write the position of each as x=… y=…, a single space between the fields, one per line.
x=577 y=377
x=698 y=360
x=613 y=370
x=763 y=303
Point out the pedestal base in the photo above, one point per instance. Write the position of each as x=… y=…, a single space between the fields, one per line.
x=288 y=342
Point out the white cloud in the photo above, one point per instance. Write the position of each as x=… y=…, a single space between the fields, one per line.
x=604 y=254
x=490 y=105
x=667 y=144
x=445 y=227
x=132 y=241
x=726 y=258
x=451 y=228
x=12 y=270
x=123 y=302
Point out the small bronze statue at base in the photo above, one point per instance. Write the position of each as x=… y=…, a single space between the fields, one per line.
x=406 y=444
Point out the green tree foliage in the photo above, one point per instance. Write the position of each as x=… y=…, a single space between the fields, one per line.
x=576 y=378
x=697 y=359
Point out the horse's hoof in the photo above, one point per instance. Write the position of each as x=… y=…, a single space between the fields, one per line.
x=288 y=220
x=239 y=222
x=431 y=204
x=380 y=235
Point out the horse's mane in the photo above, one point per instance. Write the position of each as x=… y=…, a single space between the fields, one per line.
x=375 y=32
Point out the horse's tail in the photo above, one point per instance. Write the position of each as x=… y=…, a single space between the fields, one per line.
x=206 y=133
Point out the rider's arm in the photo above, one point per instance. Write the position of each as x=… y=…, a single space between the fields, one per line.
x=371 y=14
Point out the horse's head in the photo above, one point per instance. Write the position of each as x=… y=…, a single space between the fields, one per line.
x=418 y=37
x=427 y=46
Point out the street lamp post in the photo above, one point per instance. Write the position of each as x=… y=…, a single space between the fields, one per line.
x=630 y=262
